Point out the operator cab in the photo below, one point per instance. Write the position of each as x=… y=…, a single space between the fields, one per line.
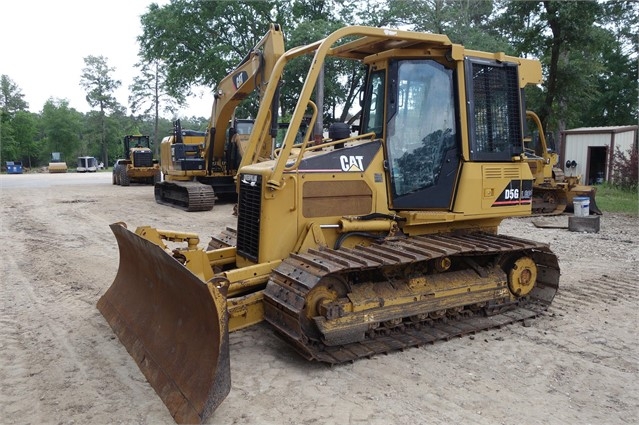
x=412 y=105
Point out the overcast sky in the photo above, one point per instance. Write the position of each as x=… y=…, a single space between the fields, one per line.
x=43 y=45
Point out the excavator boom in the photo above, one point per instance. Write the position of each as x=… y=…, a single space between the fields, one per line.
x=196 y=173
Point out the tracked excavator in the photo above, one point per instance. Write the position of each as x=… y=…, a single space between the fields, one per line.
x=553 y=191
x=181 y=163
x=194 y=173
x=381 y=241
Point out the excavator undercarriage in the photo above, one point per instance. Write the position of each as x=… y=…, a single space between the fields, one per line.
x=185 y=195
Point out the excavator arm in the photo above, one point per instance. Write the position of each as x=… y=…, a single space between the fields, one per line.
x=253 y=73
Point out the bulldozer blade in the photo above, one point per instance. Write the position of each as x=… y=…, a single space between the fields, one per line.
x=594 y=209
x=586 y=191
x=173 y=324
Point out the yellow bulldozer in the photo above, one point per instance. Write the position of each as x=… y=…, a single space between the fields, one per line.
x=380 y=241
x=194 y=173
x=553 y=191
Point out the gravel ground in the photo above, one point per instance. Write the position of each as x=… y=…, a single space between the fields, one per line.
x=61 y=363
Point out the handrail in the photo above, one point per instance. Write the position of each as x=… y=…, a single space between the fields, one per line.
x=332 y=142
x=542 y=137
x=354 y=49
x=305 y=142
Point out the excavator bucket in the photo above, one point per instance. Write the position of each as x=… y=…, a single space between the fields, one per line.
x=173 y=324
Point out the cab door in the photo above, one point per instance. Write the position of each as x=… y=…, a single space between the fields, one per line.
x=422 y=146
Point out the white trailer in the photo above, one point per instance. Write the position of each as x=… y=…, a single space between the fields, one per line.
x=87 y=164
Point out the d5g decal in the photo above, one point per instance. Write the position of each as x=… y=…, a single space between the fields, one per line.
x=517 y=192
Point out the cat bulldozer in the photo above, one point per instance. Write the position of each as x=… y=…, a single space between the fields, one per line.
x=138 y=165
x=384 y=240
x=553 y=191
x=194 y=173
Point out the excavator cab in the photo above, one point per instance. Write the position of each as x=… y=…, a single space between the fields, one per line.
x=359 y=245
x=237 y=137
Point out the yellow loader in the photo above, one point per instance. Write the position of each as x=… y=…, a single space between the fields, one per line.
x=137 y=165
x=380 y=241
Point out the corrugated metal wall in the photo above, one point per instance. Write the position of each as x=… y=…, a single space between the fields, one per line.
x=576 y=149
x=587 y=147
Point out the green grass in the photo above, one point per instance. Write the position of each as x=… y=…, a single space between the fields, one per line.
x=613 y=199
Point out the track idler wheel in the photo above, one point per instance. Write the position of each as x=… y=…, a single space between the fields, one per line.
x=319 y=302
x=443 y=264
x=522 y=276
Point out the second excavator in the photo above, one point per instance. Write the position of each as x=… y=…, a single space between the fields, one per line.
x=198 y=167
x=376 y=242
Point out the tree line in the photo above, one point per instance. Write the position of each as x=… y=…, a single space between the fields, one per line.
x=32 y=137
x=588 y=50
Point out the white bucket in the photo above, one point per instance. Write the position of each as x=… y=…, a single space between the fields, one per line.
x=581 y=206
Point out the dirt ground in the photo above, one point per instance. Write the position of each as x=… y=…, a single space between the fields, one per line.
x=61 y=363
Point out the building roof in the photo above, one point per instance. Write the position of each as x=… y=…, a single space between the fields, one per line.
x=608 y=129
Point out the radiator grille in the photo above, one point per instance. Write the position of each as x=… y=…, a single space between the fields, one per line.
x=143 y=158
x=248 y=221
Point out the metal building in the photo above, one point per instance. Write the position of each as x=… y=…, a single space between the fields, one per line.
x=589 y=151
